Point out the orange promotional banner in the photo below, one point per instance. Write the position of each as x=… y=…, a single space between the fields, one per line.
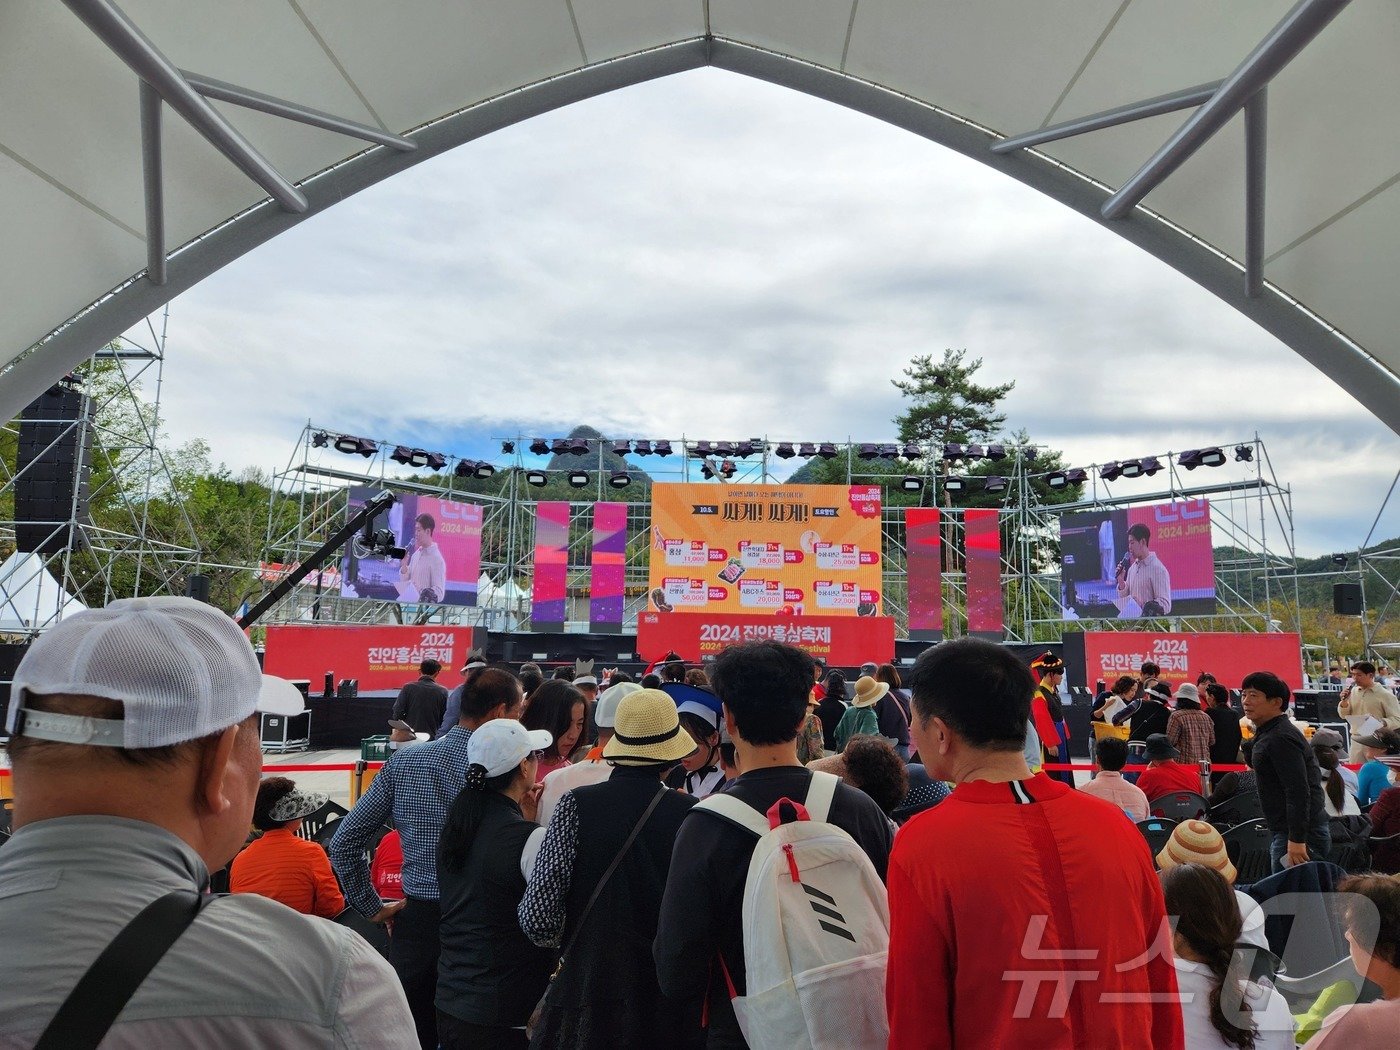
x=789 y=550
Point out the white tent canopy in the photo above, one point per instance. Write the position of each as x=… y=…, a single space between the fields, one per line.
x=30 y=598
x=1302 y=191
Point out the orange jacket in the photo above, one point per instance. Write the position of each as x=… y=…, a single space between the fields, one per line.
x=291 y=870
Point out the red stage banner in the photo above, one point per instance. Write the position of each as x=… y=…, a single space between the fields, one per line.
x=984 y=599
x=380 y=657
x=548 y=599
x=1182 y=657
x=923 y=559
x=842 y=641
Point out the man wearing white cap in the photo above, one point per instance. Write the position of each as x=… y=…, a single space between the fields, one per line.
x=135 y=746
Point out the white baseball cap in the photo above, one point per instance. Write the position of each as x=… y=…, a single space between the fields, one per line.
x=181 y=669
x=502 y=744
x=605 y=713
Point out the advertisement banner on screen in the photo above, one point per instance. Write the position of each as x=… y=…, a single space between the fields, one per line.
x=379 y=657
x=781 y=550
x=608 y=576
x=1182 y=657
x=842 y=641
x=442 y=538
x=923 y=545
x=1137 y=562
x=549 y=598
x=985 y=606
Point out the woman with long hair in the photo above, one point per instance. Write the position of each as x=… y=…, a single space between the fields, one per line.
x=1336 y=796
x=489 y=975
x=831 y=707
x=1220 y=1007
x=558 y=708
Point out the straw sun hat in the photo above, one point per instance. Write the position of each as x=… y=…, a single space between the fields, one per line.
x=1196 y=842
x=647 y=730
x=869 y=691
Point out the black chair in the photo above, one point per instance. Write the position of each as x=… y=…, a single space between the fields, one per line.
x=1351 y=843
x=1383 y=840
x=1247 y=846
x=1237 y=809
x=1179 y=805
x=314 y=824
x=1156 y=830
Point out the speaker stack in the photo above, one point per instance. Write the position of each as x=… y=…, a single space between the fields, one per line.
x=1346 y=599
x=53 y=468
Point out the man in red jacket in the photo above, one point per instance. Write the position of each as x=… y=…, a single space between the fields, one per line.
x=1022 y=912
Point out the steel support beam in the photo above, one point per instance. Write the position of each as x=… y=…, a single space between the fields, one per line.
x=249 y=99
x=111 y=25
x=1298 y=29
x=1256 y=114
x=1111 y=118
x=155 y=186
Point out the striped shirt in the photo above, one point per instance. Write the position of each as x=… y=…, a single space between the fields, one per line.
x=416 y=787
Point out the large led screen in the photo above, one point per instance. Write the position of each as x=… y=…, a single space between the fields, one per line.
x=442 y=543
x=1138 y=562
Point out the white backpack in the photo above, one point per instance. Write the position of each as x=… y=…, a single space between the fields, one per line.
x=816 y=930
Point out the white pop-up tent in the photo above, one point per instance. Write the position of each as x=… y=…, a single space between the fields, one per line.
x=31 y=599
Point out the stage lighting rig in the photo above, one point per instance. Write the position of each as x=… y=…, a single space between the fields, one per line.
x=643 y=448
x=1339 y=560
x=954 y=485
x=536 y=478
x=784 y=450
x=910 y=483
x=619 y=479
x=355 y=446
x=464 y=468
x=1057 y=480
x=621 y=448
x=826 y=450
x=661 y=448
x=578 y=447
x=409 y=457
x=507 y=448
x=1150 y=465
x=578 y=478
x=1130 y=468
x=1111 y=471
x=807 y=449
x=867 y=451
x=320 y=439
x=994 y=483
x=484 y=470
x=953 y=452
x=996 y=452
x=1244 y=453
x=912 y=451
x=539 y=447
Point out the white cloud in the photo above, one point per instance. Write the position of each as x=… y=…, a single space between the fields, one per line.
x=716 y=256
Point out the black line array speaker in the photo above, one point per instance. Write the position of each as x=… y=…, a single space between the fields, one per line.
x=53 y=467
x=1346 y=599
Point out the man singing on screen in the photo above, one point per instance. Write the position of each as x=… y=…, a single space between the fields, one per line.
x=1144 y=581
x=425 y=569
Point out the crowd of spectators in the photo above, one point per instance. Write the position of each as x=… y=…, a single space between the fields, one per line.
x=572 y=860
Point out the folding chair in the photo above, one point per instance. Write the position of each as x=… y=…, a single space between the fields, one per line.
x=1179 y=805
x=1156 y=830
x=1247 y=846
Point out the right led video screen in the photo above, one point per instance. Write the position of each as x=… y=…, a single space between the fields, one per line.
x=1138 y=562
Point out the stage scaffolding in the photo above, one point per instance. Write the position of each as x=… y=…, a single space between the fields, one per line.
x=116 y=436
x=1256 y=583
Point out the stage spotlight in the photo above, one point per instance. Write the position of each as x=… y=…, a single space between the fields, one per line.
x=707 y=469
x=1244 y=453
x=784 y=451
x=436 y=461
x=996 y=452
x=578 y=478
x=1057 y=480
x=661 y=448
x=643 y=448
x=994 y=483
x=889 y=451
x=559 y=446
x=409 y=457
x=464 y=468
x=867 y=452
x=1130 y=468
x=826 y=450
x=912 y=484
x=539 y=447
x=955 y=485
x=807 y=449
x=727 y=468
x=355 y=446
x=912 y=451
x=536 y=478
x=724 y=448
x=1201 y=457
x=619 y=479
x=953 y=451
x=320 y=439
x=1110 y=471
x=1030 y=455
x=507 y=448
x=621 y=448
x=975 y=452
x=1150 y=465
x=744 y=449
x=578 y=447
x=702 y=448
x=1076 y=476
x=484 y=470
x=1339 y=560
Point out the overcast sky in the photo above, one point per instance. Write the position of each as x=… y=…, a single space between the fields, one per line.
x=715 y=256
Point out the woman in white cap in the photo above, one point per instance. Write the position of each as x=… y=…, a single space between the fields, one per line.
x=279 y=865
x=860 y=718
x=489 y=975
x=596 y=890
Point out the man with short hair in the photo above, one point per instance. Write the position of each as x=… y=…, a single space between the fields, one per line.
x=1111 y=755
x=763 y=687
x=476 y=660
x=999 y=936
x=1145 y=582
x=422 y=702
x=416 y=787
x=135 y=747
x=424 y=568
x=1226 y=722
x=1364 y=699
x=1290 y=781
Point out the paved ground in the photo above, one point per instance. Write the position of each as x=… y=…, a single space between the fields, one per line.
x=336 y=784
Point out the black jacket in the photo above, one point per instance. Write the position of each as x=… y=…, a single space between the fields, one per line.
x=422 y=704
x=1150 y=717
x=1226 y=749
x=488 y=972
x=1290 y=781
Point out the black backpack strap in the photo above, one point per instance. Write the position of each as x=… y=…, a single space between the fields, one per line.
x=103 y=992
